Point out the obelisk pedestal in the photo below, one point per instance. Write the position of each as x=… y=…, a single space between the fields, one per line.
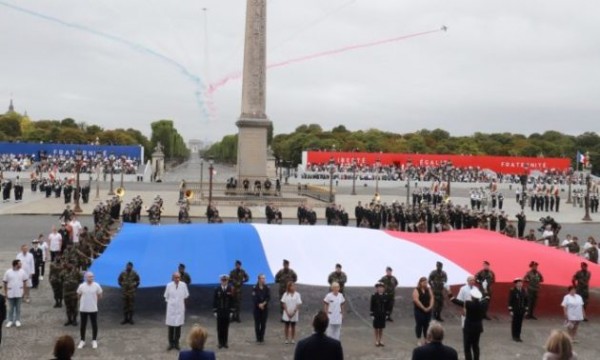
x=253 y=123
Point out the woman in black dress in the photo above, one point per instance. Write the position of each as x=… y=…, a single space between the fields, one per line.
x=422 y=299
x=380 y=310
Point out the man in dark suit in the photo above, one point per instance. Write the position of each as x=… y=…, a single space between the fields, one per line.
x=223 y=308
x=434 y=349
x=318 y=346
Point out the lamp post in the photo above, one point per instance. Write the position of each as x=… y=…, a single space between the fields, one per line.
x=210 y=179
x=377 y=166
x=588 y=184
x=331 y=170
x=78 y=159
x=448 y=178
x=122 y=170
x=353 y=176
x=408 y=165
x=523 y=186
x=201 y=176
x=111 y=160
x=569 y=181
x=98 y=162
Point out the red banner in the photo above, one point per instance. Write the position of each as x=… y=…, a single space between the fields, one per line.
x=499 y=164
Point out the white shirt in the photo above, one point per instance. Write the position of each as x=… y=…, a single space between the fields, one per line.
x=574 y=306
x=334 y=307
x=175 y=296
x=44 y=247
x=76 y=229
x=464 y=294
x=14 y=282
x=27 y=262
x=88 y=296
x=565 y=243
x=55 y=240
x=291 y=302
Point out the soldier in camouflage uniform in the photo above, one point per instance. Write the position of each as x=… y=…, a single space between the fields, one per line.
x=390 y=283
x=283 y=276
x=129 y=280
x=581 y=281
x=338 y=276
x=56 y=281
x=437 y=280
x=237 y=278
x=71 y=278
x=185 y=277
x=533 y=279
x=486 y=280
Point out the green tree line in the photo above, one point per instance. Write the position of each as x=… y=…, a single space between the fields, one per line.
x=18 y=127
x=312 y=137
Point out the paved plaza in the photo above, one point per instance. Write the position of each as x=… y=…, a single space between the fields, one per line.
x=147 y=338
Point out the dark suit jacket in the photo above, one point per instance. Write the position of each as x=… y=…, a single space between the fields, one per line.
x=434 y=351
x=318 y=347
x=2 y=309
x=197 y=355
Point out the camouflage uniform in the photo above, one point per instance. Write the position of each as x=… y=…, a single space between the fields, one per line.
x=129 y=282
x=534 y=279
x=390 y=283
x=581 y=280
x=488 y=278
x=284 y=276
x=437 y=280
x=338 y=277
x=71 y=278
x=56 y=282
x=237 y=278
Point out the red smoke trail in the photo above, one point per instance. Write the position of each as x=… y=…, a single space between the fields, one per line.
x=236 y=75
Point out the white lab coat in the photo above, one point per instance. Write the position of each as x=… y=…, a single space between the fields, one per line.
x=27 y=264
x=175 y=296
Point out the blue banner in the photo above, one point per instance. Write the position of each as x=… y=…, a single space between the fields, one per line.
x=35 y=150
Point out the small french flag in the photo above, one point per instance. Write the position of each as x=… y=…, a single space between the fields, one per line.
x=580 y=158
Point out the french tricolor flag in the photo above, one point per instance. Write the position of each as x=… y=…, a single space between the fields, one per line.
x=580 y=158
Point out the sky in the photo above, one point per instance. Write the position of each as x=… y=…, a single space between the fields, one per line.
x=502 y=66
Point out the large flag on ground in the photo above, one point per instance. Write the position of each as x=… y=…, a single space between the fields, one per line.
x=209 y=250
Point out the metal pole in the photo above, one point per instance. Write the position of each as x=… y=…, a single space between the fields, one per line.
x=201 y=177
x=122 y=173
x=588 y=183
x=112 y=180
x=77 y=208
x=97 y=182
x=210 y=182
x=569 y=200
x=354 y=178
x=331 y=183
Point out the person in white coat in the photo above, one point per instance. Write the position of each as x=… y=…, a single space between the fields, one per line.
x=176 y=294
x=28 y=266
x=334 y=308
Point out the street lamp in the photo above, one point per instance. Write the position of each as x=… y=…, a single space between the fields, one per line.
x=98 y=162
x=122 y=170
x=448 y=178
x=523 y=186
x=331 y=170
x=111 y=160
x=408 y=165
x=353 y=176
x=78 y=160
x=210 y=179
x=377 y=166
x=588 y=184
x=201 y=176
x=569 y=181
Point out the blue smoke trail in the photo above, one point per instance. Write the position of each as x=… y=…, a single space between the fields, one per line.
x=137 y=47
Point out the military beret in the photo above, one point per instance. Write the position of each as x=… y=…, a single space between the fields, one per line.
x=486 y=262
x=388 y=268
x=584 y=264
x=182 y=265
x=237 y=262
x=285 y=261
x=533 y=263
x=338 y=266
x=439 y=263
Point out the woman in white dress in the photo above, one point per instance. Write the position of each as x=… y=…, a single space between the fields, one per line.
x=574 y=313
x=290 y=302
x=334 y=308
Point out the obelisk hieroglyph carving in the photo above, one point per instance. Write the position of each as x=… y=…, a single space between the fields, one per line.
x=253 y=123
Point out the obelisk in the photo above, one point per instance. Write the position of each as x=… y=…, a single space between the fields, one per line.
x=253 y=123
